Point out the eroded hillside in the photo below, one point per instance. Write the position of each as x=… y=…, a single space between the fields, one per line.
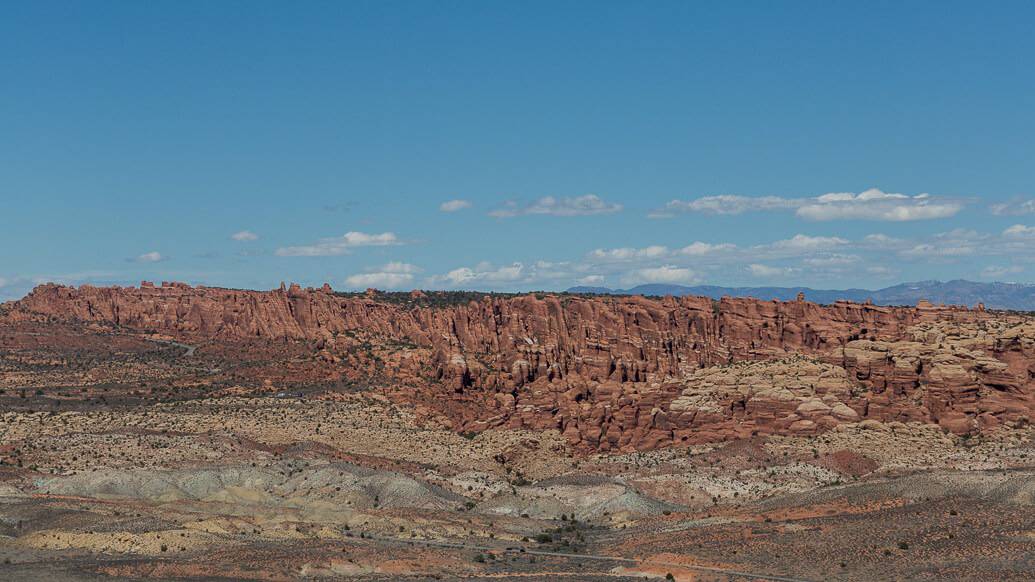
x=612 y=373
x=189 y=433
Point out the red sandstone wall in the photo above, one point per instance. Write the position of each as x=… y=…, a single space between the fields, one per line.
x=603 y=370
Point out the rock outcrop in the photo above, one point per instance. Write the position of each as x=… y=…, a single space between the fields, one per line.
x=618 y=372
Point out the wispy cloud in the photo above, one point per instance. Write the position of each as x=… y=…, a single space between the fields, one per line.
x=998 y=272
x=769 y=272
x=389 y=276
x=552 y=206
x=832 y=260
x=454 y=205
x=486 y=275
x=659 y=263
x=483 y=273
x=150 y=257
x=629 y=253
x=244 y=236
x=1019 y=231
x=951 y=245
x=700 y=249
x=803 y=242
x=882 y=240
x=1013 y=208
x=726 y=204
x=329 y=247
x=928 y=250
x=661 y=274
x=694 y=249
x=872 y=204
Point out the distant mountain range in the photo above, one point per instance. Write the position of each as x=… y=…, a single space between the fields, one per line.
x=1014 y=296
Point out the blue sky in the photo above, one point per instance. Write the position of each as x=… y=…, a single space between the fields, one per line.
x=241 y=144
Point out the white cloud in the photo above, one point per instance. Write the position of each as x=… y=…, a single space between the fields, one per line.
x=947 y=246
x=658 y=253
x=803 y=242
x=872 y=204
x=662 y=274
x=483 y=273
x=554 y=270
x=832 y=260
x=389 y=276
x=628 y=253
x=454 y=205
x=767 y=271
x=342 y=245
x=399 y=267
x=1015 y=208
x=551 y=264
x=1020 y=231
x=998 y=272
x=379 y=280
x=927 y=250
x=803 y=258
x=961 y=234
x=244 y=236
x=726 y=204
x=697 y=249
x=151 y=257
x=881 y=240
x=567 y=206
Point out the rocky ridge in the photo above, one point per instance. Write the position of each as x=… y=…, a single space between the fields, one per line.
x=617 y=373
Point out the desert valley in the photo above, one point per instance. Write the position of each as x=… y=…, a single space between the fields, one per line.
x=399 y=290
x=203 y=433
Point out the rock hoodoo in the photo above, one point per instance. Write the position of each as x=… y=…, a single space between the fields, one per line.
x=618 y=372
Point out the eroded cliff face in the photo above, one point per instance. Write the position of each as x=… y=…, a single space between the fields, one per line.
x=619 y=372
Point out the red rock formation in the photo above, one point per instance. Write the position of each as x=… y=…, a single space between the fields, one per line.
x=605 y=370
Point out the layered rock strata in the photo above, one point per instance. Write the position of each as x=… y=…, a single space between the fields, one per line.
x=618 y=372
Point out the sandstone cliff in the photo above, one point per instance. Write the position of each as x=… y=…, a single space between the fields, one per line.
x=619 y=372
